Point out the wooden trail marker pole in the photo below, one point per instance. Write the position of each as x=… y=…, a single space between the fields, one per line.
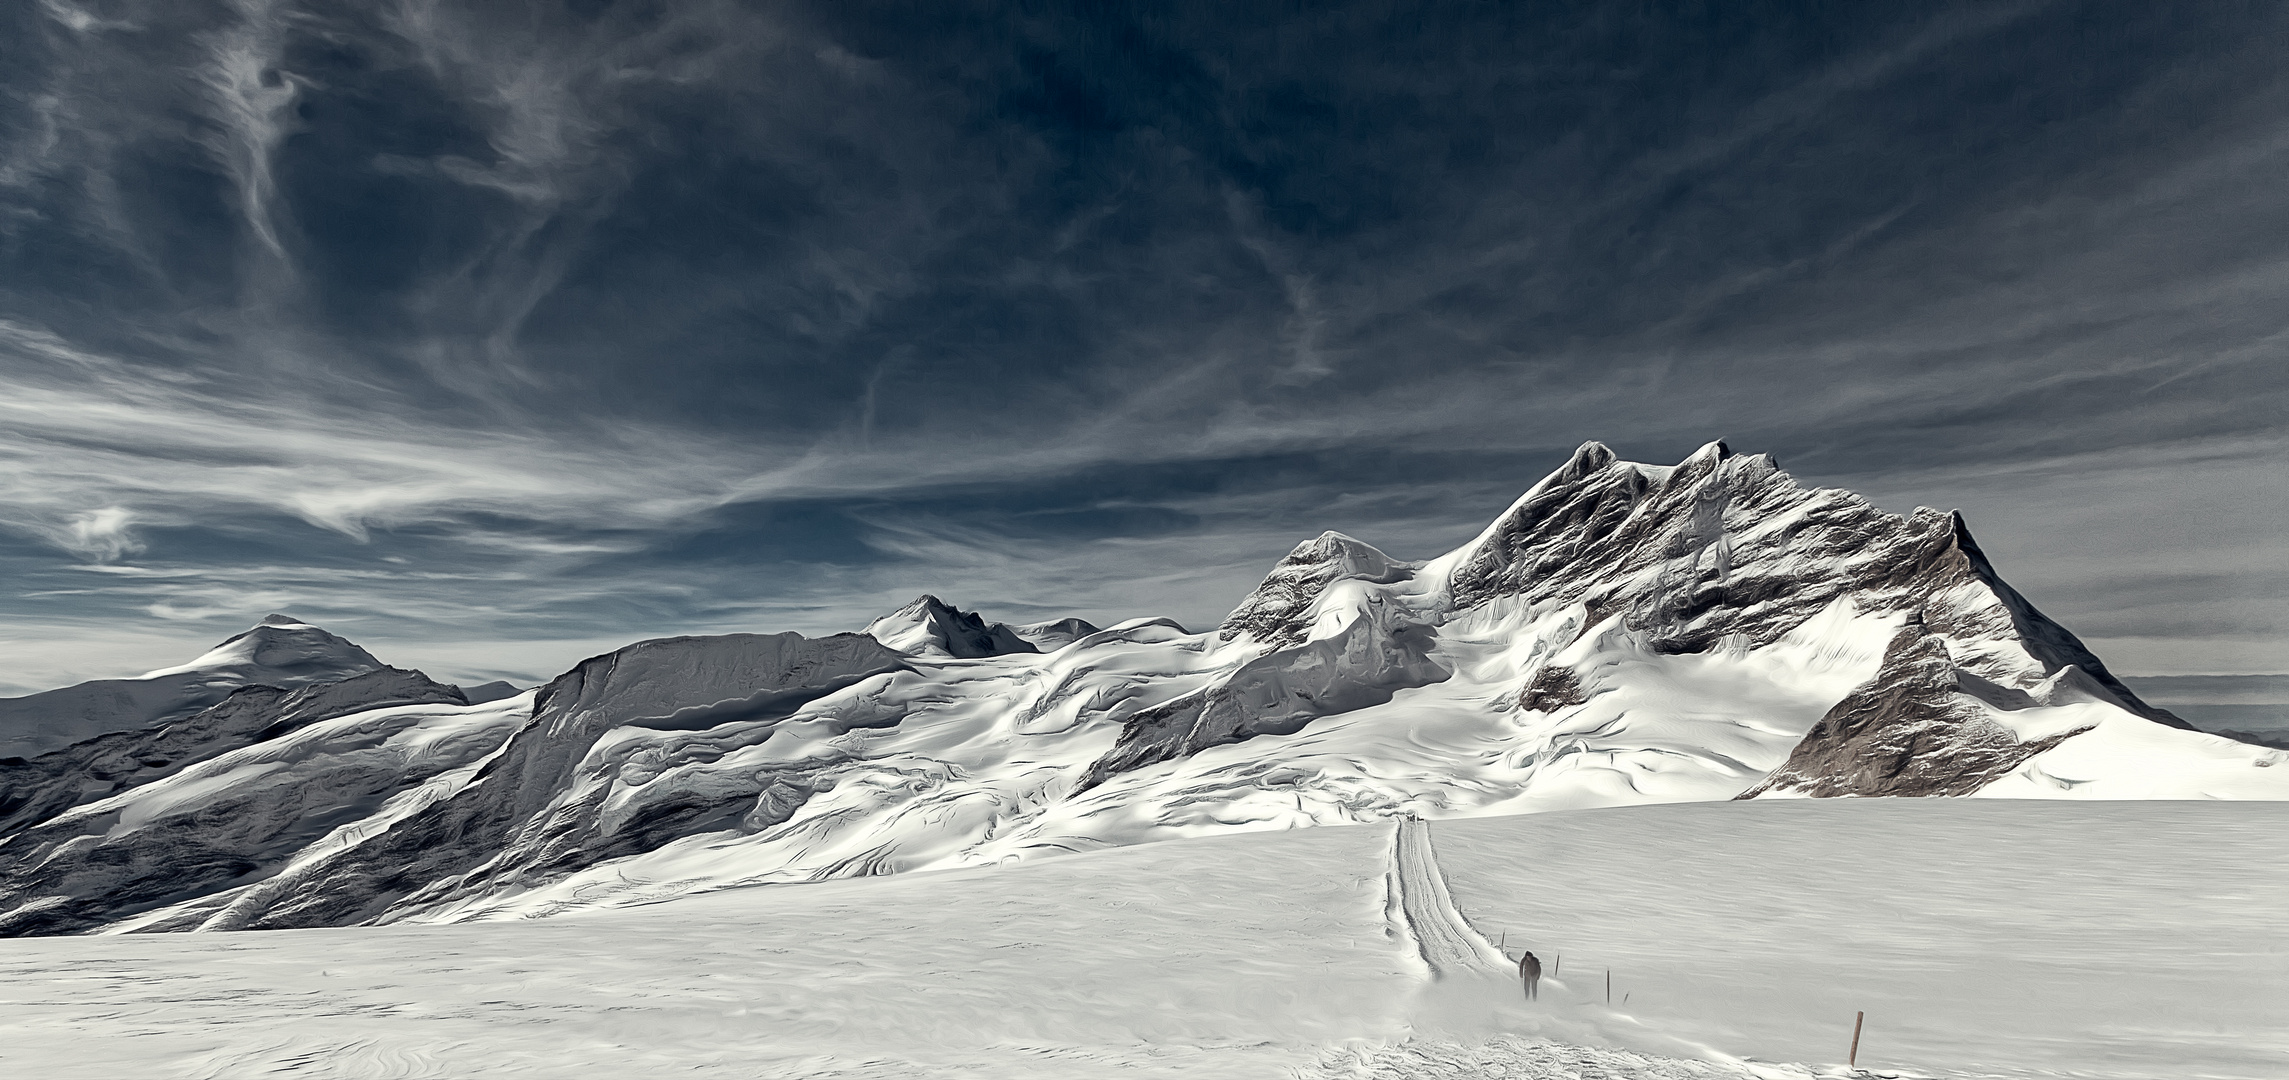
x=1857 y=1019
x=1609 y=986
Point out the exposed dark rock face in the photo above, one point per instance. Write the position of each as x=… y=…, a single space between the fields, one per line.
x=509 y=825
x=1273 y=613
x=930 y=626
x=36 y=790
x=1910 y=731
x=1551 y=689
x=1278 y=693
x=1725 y=544
x=1716 y=545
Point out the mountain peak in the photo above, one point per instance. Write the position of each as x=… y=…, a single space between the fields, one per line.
x=280 y=650
x=1590 y=456
x=1725 y=544
x=1274 y=612
x=928 y=626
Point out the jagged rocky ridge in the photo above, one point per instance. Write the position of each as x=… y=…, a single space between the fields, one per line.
x=1623 y=633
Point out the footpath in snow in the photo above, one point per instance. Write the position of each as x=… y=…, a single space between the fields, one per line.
x=2022 y=940
x=1462 y=1023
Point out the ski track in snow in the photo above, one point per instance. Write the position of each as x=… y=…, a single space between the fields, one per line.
x=1273 y=955
x=1427 y=915
x=1423 y=912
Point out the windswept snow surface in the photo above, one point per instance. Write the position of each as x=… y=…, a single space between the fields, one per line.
x=1996 y=939
x=2086 y=939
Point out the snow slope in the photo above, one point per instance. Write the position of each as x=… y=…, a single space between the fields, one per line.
x=281 y=651
x=201 y=843
x=1994 y=939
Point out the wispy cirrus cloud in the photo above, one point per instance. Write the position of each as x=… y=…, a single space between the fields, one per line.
x=540 y=323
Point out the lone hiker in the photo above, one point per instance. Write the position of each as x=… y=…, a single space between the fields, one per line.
x=1530 y=972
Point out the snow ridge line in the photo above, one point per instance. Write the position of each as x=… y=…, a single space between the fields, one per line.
x=1425 y=910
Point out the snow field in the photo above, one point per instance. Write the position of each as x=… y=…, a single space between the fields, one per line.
x=1238 y=958
x=2088 y=939
x=2007 y=938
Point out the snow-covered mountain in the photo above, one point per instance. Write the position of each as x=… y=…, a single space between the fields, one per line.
x=281 y=651
x=1623 y=633
x=931 y=627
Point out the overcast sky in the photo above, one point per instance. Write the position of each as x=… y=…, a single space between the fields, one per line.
x=492 y=335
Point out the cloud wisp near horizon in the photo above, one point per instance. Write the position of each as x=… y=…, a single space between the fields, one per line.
x=493 y=335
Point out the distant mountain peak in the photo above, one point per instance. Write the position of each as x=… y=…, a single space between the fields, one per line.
x=280 y=647
x=280 y=651
x=1055 y=634
x=928 y=626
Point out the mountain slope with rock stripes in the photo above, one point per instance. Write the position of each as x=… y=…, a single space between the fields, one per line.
x=1622 y=634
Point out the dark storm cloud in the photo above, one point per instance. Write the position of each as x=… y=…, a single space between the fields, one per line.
x=522 y=323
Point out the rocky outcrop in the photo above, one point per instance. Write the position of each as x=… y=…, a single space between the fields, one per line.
x=1279 y=692
x=1916 y=729
x=1274 y=612
x=1551 y=689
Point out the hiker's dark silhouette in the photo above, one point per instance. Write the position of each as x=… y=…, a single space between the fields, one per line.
x=1530 y=972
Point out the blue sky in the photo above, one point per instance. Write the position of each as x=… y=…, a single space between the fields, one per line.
x=494 y=335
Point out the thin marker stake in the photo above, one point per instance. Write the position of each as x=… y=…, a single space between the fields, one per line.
x=1857 y=1019
x=1609 y=986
